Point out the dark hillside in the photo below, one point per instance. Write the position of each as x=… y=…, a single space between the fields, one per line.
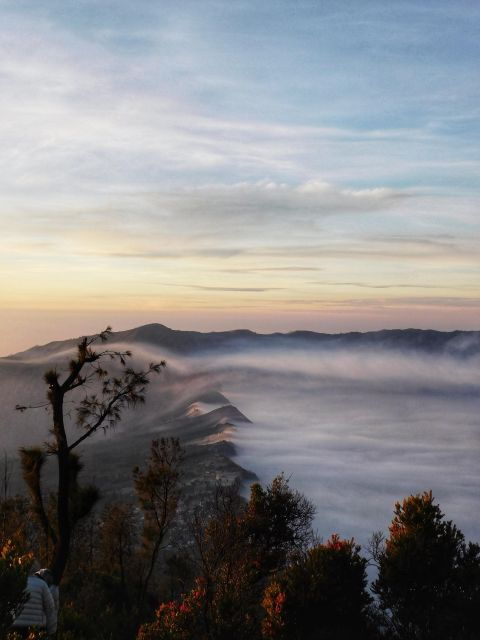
x=460 y=343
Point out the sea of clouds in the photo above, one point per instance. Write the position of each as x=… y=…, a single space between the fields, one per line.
x=353 y=430
x=357 y=431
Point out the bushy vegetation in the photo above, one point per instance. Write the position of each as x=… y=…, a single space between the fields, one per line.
x=237 y=569
x=321 y=593
x=13 y=578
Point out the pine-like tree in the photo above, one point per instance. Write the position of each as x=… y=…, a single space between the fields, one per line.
x=321 y=594
x=429 y=578
x=100 y=409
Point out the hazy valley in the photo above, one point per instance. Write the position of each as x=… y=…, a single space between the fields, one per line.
x=356 y=420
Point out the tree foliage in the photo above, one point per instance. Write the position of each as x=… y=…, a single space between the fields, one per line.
x=158 y=492
x=237 y=546
x=278 y=521
x=429 y=578
x=100 y=408
x=179 y=620
x=321 y=594
x=13 y=579
x=118 y=540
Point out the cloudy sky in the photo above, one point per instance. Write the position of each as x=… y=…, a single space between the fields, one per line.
x=220 y=164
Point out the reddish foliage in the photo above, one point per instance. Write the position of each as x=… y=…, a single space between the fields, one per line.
x=273 y=603
x=177 y=620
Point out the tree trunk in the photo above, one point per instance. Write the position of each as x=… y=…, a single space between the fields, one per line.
x=62 y=547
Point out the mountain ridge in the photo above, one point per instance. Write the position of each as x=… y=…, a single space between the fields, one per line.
x=457 y=342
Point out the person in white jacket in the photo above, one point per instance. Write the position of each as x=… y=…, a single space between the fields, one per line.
x=47 y=576
x=39 y=610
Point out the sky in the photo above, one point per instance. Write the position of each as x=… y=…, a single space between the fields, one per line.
x=273 y=165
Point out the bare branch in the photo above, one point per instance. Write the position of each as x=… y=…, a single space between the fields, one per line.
x=22 y=408
x=375 y=547
x=118 y=393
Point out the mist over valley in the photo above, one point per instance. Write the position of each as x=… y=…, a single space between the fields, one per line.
x=356 y=421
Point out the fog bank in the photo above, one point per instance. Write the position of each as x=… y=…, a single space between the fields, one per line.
x=355 y=430
x=358 y=431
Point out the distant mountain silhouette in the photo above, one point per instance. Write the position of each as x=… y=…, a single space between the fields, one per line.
x=460 y=343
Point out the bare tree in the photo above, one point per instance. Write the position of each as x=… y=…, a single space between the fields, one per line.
x=118 y=541
x=100 y=408
x=158 y=491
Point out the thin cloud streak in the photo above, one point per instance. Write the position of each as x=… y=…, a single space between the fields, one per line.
x=211 y=288
x=367 y=285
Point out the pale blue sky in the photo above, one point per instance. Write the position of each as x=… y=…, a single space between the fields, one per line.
x=272 y=164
